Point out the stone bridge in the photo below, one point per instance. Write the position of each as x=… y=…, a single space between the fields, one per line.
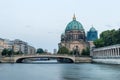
x=70 y=58
x=20 y=58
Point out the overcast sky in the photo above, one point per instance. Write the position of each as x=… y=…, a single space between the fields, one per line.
x=41 y=22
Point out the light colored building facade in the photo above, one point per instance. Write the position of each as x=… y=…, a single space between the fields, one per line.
x=21 y=46
x=31 y=50
x=5 y=44
x=17 y=46
x=109 y=54
x=8 y=44
x=1 y=45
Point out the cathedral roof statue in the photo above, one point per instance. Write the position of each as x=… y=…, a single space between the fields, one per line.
x=74 y=25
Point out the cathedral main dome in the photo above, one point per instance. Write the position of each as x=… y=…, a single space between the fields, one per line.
x=74 y=25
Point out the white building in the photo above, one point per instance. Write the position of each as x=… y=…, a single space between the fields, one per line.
x=1 y=45
x=5 y=44
x=22 y=46
x=8 y=44
x=16 y=45
x=109 y=54
x=31 y=50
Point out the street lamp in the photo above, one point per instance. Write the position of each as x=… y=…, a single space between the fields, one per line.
x=12 y=54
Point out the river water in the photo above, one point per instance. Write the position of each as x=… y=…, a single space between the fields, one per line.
x=83 y=71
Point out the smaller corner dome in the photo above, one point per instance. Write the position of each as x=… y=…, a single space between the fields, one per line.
x=92 y=29
x=74 y=25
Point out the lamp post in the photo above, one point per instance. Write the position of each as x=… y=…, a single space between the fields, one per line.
x=0 y=57
x=73 y=52
x=12 y=54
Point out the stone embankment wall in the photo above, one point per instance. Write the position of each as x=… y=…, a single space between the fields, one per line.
x=83 y=60
x=107 y=61
x=7 y=60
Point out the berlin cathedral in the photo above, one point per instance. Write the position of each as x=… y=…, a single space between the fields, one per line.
x=74 y=37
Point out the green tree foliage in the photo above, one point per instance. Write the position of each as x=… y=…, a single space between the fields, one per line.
x=63 y=50
x=10 y=52
x=86 y=52
x=7 y=52
x=4 y=52
x=99 y=43
x=40 y=50
x=117 y=35
x=18 y=53
x=74 y=52
x=109 y=37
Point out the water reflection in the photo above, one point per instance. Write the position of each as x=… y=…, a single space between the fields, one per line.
x=51 y=61
x=70 y=72
x=90 y=72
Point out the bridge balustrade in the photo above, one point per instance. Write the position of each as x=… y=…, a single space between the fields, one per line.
x=106 y=52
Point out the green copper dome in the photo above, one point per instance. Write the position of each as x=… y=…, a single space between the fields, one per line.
x=92 y=29
x=74 y=25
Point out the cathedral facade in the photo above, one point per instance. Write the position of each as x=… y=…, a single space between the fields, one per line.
x=74 y=38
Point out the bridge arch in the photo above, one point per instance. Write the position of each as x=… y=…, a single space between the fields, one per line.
x=58 y=58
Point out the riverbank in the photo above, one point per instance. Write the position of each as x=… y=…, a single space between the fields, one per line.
x=106 y=61
x=83 y=59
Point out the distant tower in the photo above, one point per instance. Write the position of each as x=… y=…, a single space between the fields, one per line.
x=54 y=51
x=92 y=34
x=46 y=51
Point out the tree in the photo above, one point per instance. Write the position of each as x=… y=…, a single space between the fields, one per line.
x=83 y=52
x=7 y=52
x=117 y=35
x=108 y=37
x=40 y=50
x=86 y=52
x=63 y=50
x=99 y=43
x=4 y=52
x=18 y=53
x=10 y=52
